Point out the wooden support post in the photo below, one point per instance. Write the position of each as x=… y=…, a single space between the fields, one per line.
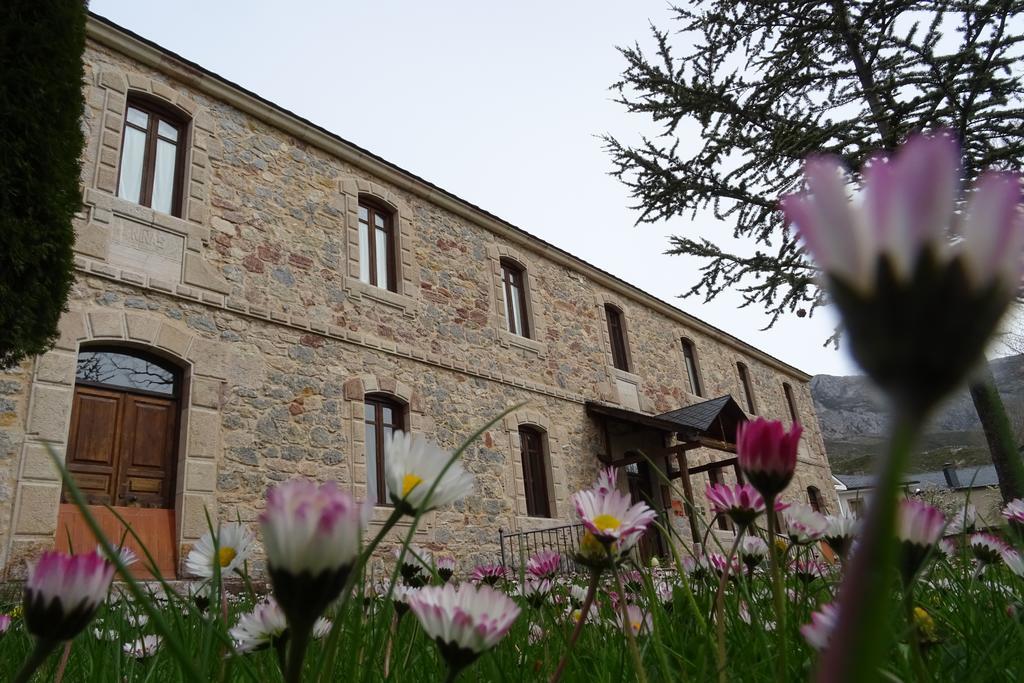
x=691 y=510
x=738 y=471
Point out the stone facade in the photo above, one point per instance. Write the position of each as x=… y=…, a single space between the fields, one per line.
x=254 y=293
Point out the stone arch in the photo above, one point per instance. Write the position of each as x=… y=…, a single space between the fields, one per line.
x=626 y=386
x=51 y=394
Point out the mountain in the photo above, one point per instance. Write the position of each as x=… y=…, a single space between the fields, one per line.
x=854 y=421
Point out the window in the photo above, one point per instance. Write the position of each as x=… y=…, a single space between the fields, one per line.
x=748 y=391
x=617 y=337
x=376 y=246
x=814 y=499
x=856 y=506
x=690 y=358
x=514 y=280
x=535 y=472
x=790 y=401
x=383 y=416
x=152 y=157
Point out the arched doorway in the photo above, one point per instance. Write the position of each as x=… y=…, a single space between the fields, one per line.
x=122 y=450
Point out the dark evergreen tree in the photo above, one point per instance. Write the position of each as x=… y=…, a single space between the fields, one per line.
x=41 y=140
x=772 y=81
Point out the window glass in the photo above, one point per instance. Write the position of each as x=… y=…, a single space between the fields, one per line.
x=168 y=131
x=690 y=358
x=382 y=259
x=132 y=160
x=364 y=249
x=126 y=371
x=163 y=176
x=138 y=118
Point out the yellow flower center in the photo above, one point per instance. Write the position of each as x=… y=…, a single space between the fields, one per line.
x=636 y=626
x=225 y=555
x=607 y=522
x=409 y=482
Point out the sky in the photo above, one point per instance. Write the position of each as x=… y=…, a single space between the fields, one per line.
x=498 y=103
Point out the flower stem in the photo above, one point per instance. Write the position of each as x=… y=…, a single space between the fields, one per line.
x=298 y=640
x=858 y=642
x=65 y=655
x=777 y=590
x=916 y=658
x=38 y=655
x=595 y=576
x=634 y=651
x=719 y=609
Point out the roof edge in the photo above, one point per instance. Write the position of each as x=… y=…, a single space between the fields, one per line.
x=106 y=32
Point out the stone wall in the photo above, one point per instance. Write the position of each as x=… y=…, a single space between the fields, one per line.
x=255 y=291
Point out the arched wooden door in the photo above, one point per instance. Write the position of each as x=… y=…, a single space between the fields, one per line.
x=122 y=451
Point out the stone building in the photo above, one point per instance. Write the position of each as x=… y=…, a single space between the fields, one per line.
x=258 y=299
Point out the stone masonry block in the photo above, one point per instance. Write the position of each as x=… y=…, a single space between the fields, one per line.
x=50 y=412
x=37 y=464
x=204 y=434
x=173 y=339
x=206 y=392
x=37 y=508
x=56 y=367
x=194 y=508
x=141 y=328
x=72 y=329
x=200 y=475
x=107 y=324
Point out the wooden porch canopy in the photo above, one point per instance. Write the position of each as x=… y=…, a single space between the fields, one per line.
x=709 y=424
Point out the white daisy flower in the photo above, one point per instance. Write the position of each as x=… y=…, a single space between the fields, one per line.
x=413 y=465
x=235 y=543
x=259 y=628
x=143 y=647
x=803 y=525
x=469 y=619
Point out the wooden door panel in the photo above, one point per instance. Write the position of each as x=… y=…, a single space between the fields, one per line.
x=93 y=442
x=146 y=472
x=154 y=527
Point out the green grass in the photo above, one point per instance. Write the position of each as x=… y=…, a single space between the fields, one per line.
x=976 y=638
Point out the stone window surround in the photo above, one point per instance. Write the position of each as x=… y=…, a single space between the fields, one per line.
x=681 y=356
x=103 y=209
x=514 y=473
x=499 y=316
x=752 y=394
x=616 y=375
x=351 y=189
x=356 y=389
x=37 y=496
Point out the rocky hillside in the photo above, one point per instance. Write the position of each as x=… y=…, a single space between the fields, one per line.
x=854 y=418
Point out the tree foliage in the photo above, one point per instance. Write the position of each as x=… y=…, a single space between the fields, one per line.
x=41 y=140
x=770 y=82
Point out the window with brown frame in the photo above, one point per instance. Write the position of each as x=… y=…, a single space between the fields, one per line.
x=690 y=358
x=152 y=156
x=790 y=401
x=748 y=389
x=377 y=245
x=535 y=472
x=514 y=280
x=382 y=416
x=814 y=499
x=617 y=337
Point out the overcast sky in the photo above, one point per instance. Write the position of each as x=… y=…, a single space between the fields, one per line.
x=499 y=103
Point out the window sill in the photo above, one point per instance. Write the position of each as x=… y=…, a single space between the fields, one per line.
x=508 y=339
x=381 y=513
x=359 y=289
x=625 y=376
x=142 y=214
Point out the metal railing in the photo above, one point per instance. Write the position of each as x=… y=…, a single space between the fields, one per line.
x=518 y=547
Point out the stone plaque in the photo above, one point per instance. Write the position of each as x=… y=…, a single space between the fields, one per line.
x=147 y=250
